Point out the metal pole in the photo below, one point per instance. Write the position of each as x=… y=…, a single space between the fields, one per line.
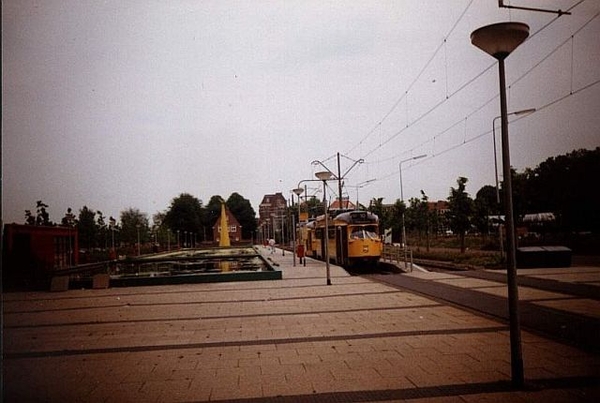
x=305 y=221
x=138 y=236
x=294 y=231
x=496 y=159
x=326 y=236
x=339 y=181
x=511 y=269
x=404 y=243
x=500 y=236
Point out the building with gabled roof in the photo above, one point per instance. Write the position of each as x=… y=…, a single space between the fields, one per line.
x=346 y=204
x=234 y=228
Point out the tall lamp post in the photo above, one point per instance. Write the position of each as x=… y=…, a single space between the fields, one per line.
x=325 y=176
x=298 y=191
x=138 y=239
x=404 y=241
x=499 y=40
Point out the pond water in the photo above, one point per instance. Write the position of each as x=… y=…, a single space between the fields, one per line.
x=192 y=262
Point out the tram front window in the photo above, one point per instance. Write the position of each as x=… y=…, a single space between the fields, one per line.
x=363 y=233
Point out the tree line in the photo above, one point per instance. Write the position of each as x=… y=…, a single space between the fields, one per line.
x=566 y=186
x=187 y=220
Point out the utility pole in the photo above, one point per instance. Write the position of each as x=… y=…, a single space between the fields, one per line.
x=339 y=177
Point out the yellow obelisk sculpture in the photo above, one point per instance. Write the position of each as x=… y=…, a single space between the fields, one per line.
x=224 y=239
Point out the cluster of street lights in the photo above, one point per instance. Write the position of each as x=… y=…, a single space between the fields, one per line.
x=322 y=176
x=498 y=40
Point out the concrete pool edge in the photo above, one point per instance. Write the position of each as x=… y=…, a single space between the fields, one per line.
x=272 y=273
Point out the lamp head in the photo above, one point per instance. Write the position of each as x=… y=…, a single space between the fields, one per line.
x=499 y=40
x=298 y=191
x=323 y=175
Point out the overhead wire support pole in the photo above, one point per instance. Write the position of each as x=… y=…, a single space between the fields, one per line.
x=339 y=177
x=541 y=10
x=339 y=181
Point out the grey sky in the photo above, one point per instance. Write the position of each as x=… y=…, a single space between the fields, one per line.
x=115 y=104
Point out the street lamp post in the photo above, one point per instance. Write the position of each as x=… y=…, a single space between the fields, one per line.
x=112 y=227
x=138 y=239
x=404 y=240
x=325 y=176
x=499 y=40
x=274 y=231
x=298 y=191
x=283 y=231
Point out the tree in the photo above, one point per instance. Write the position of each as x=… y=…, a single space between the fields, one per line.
x=242 y=210
x=376 y=207
x=485 y=205
x=133 y=220
x=212 y=212
x=567 y=186
x=29 y=218
x=115 y=232
x=460 y=210
x=185 y=214
x=86 y=228
x=395 y=220
x=418 y=217
x=102 y=230
x=69 y=220
x=160 y=230
x=41 y=218
x=314 y=206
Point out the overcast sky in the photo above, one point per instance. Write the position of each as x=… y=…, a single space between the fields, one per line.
x=116 y=104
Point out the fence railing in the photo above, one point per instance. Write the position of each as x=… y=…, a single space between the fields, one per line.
x=398 y=255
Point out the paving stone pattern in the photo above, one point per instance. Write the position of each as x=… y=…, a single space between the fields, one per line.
x=290 y=340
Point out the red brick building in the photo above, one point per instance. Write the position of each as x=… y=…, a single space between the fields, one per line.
x=235 y=229
x=271 y=212
x=345 y=205
x=271 y=205
x=32 y=252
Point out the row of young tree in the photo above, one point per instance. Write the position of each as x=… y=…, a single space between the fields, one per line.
x=186 y=221
x=565 y=186
x=423 y=222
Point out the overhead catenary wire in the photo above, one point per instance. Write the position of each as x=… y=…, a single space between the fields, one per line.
x=466 y=141
x=448 y=96
x=488 y=132
x=404 y=96
x=472 y=80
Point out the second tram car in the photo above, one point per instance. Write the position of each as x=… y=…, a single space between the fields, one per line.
x=353 y=238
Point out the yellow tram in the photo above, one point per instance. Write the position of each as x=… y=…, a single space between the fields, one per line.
x=353 y=238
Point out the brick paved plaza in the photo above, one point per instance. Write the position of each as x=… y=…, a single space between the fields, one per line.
x=295 y=339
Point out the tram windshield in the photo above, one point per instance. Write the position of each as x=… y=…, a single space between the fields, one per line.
x=364 y=233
